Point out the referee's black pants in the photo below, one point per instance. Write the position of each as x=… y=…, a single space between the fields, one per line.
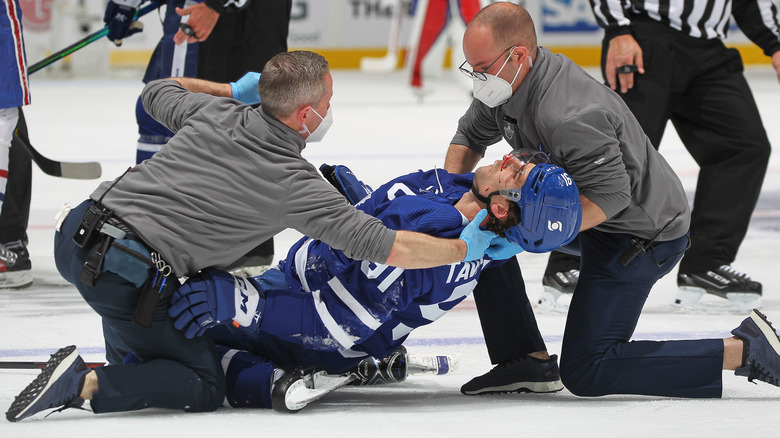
x=699 y=85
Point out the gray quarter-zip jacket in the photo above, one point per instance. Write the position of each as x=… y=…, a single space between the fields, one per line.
x=587 y=129
x=231 y=178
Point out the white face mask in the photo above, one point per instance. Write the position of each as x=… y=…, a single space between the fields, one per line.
x=320 y=131
x=494 y=91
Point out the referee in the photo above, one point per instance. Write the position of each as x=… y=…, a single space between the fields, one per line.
x=669 y=62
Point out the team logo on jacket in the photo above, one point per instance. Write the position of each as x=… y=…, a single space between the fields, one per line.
x=509 y=127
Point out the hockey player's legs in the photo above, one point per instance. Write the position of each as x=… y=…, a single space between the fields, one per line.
x=597 y=357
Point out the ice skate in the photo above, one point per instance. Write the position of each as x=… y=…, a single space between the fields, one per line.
x=557 y=292
x=15 y=267
x=723 y=290
x=301 y=386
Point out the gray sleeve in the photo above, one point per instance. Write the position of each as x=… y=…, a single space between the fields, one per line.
x=316 y=209
x=588 y=147
x=171 y=104
x=477 y=129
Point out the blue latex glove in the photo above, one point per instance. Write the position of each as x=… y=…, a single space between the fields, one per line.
x=119 y=19
x=502 y=249
x=215 y=297
x=245 y=89
x=477 y=240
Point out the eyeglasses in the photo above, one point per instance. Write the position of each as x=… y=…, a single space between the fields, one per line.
x=480 y=75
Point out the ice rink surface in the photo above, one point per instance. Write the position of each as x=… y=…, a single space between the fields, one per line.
x=382 y=130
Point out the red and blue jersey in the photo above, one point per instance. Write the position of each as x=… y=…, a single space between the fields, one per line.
x=14 y=85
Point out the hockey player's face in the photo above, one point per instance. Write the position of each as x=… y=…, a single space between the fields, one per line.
x=507 y=173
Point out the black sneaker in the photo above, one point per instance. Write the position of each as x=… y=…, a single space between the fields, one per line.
x=762 y=349
x=556 y=285
x=15 y=266
x=725 y=282
x=524 y=374
x=58 y=386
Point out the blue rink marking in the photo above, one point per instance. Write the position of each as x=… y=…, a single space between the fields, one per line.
x=657 y=336
x=425 y=342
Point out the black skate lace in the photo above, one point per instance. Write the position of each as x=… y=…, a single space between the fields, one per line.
x=7 y=256
x=739 y=276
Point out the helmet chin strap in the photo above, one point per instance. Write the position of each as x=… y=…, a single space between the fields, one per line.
x=484 y=199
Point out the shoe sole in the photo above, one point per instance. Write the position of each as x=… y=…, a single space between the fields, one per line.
x=766 y=329
x=521 y=387
x=51 y=372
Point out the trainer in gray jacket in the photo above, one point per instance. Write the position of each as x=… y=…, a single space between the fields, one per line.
x=635 y=214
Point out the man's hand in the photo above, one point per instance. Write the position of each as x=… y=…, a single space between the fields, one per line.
x=502 y=249
x=215 y=297
x=776 y=63
x=623 y=51
x=477 y=240
x=119 y=19
x=201 y=19
x=245 y=89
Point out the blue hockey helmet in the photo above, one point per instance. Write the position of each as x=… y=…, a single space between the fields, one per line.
x=550 y=210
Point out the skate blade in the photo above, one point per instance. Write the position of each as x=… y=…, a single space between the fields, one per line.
x=436 y=365
x=697 y=300
x=301 y=392
x=552 y=300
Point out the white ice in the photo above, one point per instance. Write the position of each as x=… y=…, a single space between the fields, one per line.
x=382 y=130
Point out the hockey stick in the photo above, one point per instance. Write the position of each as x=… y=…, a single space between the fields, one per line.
x=84 y=42
x=388 y=62
x=90 y=170
x=23 y=365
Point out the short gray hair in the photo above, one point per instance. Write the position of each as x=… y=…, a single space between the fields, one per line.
x=292 y=79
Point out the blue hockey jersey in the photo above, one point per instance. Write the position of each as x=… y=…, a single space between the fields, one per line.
x=359 y=308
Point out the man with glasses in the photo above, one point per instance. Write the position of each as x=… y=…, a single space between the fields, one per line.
x=633 y=232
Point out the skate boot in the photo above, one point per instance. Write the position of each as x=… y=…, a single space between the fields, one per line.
x=761 y=360
x=396 y=367
x=15 y=267
x=725 y=289
x=523 y=374
x=58 y=386
x=558 y=288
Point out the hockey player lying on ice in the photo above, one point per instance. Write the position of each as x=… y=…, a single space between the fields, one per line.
x=319 y=308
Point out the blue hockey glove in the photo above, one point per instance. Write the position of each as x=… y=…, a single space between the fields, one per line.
x=477 y=240
x=119 y=19
x=346 y=182
x=502 y=249
x=215 y=297
x=245 y=89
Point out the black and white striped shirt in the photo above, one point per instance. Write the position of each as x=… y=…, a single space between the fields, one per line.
x=706 y=19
